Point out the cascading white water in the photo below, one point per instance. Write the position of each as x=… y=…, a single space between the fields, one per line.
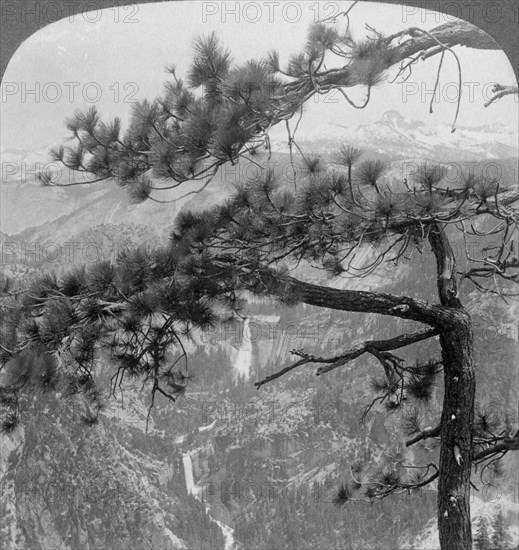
x=228 y=534
x=193 y=489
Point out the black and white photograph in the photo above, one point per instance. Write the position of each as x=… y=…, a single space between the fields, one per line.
x=259 y=275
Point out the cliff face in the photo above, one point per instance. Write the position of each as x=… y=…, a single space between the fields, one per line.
x=72 y=486
x=264 y=466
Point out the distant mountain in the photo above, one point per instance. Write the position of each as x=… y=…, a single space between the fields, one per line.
x=399 y=137
x=56 y=213
x=25 y=203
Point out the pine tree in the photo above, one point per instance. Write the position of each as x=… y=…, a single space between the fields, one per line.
x=147 y=302
x=501 y=539
x=482 y=537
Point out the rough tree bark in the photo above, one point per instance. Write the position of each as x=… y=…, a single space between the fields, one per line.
x=457 y=420
x=427 y=44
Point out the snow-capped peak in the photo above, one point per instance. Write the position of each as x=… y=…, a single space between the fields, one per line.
x=395 y=119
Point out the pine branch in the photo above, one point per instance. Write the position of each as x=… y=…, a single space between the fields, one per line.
x=340 y=360
x=240 y=104
x=507 y=444
x=361 y=301
x=425 y=434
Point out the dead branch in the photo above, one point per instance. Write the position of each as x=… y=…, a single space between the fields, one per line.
x=500 y=91
x=340 y=360
x=425 y=434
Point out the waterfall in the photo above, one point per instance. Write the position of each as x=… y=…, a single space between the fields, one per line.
x=194 y=490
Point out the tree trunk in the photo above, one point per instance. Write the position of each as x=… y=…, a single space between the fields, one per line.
x=457 y=420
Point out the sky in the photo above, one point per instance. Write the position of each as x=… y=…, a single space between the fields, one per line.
x=111 y=58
